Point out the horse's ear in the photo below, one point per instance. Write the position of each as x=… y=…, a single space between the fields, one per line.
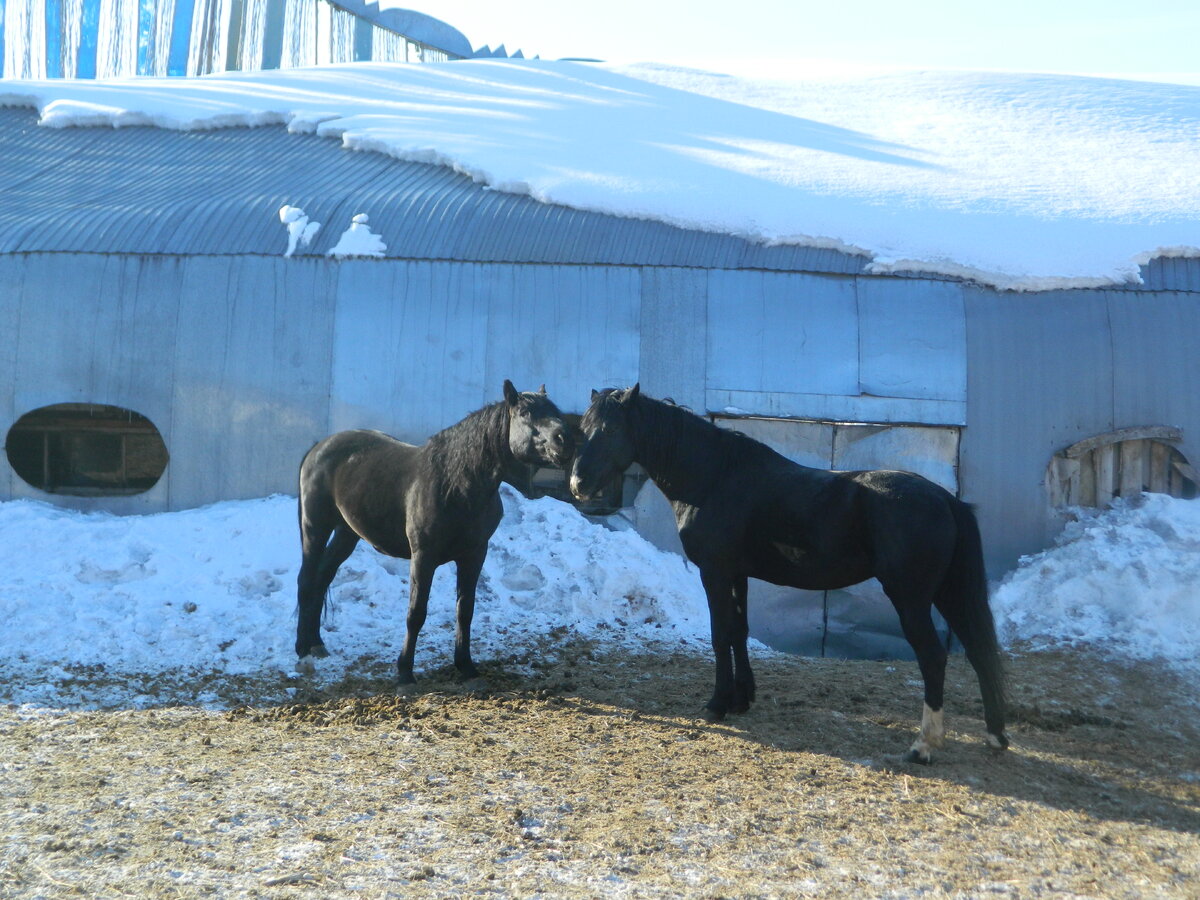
x=510 y=393
x=542 y=389
x=632 y=393
x=595 y=394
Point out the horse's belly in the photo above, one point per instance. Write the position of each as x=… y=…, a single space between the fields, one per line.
x=795 y=567
x=385 y=538
x=399 y=549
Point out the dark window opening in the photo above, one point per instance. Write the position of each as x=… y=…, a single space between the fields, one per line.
x=86 y=449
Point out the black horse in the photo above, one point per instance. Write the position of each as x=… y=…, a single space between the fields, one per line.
x=744 y=510
x=433 y=504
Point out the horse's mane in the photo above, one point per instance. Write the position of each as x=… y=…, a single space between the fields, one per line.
x=672 y=432
x=480 y=435
x=666 y=428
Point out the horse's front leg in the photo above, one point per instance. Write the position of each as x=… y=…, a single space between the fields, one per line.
x=719 y=588
x=420 y=576
x=469 y=568
x=743 y=677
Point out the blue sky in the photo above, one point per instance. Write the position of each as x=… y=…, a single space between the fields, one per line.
x=1083 y=36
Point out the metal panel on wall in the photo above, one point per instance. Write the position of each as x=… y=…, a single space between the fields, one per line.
x=787 y=333
x=913 y=339
x=1156 y=366
x=819 y=347
x=674 y=330
x=251 y=376
x=409 y=346
x=574 y=328
x=1040 y=379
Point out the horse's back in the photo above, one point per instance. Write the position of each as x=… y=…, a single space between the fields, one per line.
x=817 y=528
x=360 y=477
x=358 y=449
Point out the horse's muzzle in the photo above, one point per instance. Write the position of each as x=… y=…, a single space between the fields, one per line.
x=577 y=490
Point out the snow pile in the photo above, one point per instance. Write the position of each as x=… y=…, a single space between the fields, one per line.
x=1126 y=579
x=358 y=240
x=1019 y=180
x=300 y=230
x=213 y=590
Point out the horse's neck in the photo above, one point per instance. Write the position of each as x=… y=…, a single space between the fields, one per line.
x=682 y=459
x=475 y=451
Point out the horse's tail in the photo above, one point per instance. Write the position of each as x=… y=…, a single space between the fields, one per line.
x=963 y=600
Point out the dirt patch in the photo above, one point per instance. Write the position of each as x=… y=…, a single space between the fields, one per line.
x=593 y=776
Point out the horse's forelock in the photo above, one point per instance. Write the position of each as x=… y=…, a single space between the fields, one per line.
x=601 y=406
x=539 y=405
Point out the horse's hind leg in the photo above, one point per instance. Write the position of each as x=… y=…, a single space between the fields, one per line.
x=983 y=655
x=322 y=556
x=309 y=601
x=917 y=623
x=340 y=546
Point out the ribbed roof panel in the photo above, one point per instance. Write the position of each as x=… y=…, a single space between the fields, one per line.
x=149 y=190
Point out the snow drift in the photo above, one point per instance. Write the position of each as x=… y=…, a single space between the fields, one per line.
x=1018 y=180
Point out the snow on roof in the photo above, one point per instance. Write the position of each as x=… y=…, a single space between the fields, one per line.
x=1021 y=181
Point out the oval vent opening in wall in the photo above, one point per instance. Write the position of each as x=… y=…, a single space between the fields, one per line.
x=87 y=450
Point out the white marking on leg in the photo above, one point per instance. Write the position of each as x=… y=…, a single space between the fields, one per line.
x=933 y=733
x=933 y=727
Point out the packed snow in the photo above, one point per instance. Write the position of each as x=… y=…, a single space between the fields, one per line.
x=300 y=229
x=213 y=589
x=359 y=240
x=1126 y=579
x=1023 y=181
x=211 y=592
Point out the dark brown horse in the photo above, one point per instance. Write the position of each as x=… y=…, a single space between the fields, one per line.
x=745 y=511
x=433 y=504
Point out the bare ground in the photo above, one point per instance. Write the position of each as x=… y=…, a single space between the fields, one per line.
x=593 y=777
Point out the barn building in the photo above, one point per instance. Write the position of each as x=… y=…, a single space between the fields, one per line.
x=113 y=38
x=162 y=352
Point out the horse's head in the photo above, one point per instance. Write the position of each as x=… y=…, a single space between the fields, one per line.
x=537 y=434
x=608 y=448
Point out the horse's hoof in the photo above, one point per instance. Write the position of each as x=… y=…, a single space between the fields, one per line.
x=711 y=715
x=997 y=741
x=475 y=685
x=407 y=689
x=318 y=650
x=306 y=666
x=916 y=756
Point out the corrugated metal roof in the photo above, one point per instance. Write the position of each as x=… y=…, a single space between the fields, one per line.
x=149 y=190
